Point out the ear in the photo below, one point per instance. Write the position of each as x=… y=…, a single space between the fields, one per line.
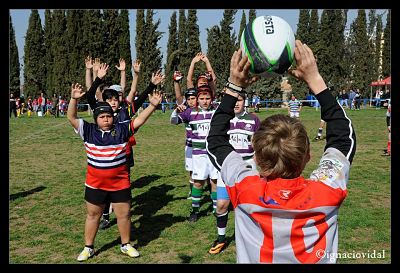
x=308 y=156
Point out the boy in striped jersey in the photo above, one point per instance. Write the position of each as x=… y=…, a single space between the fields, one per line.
x=294 y=107
x=199 y=119
x=242 y=127
x=280 y=216
x=189 y=101
x=107 y=175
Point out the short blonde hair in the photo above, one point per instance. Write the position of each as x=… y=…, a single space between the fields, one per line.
x=281 y=147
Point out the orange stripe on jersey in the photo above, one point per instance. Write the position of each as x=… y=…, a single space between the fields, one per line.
x=267 y=248
x=108 y=179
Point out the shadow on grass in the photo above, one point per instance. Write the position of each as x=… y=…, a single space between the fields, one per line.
x=15 y=196
x=185 y=259
x=150 y=225
x=144 y=181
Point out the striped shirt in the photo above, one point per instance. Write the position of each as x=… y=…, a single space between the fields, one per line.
x=241 y=131
x=106 y=155
x=199 y=122
x=294 y=105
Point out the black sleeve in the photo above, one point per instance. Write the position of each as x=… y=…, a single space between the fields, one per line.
x=218 y=146
x=339 y=129
x=91 y=94
x=142 y=97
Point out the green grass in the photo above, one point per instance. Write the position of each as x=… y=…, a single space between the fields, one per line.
x=47 y=210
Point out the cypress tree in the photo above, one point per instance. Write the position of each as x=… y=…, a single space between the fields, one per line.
x=193 y=41
x=313 y=32
x=111 y=46
x=93 y=31
x=125 y=45
x=152 y=58
x=386 y=59
x=214 y=50
x=172 y=53
x=241 y=28
x=140 y=45
x=14 y=63
x=227 y=44
x=302 y=32
x=60 y=68
x=34 y=65
x=74 y=45
x=252 y=15
x=48 y=46
x=183 y=58
x=378 y=47
x=361 y=66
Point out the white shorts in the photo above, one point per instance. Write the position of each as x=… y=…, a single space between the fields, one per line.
x=221 y=187
x=188 y=159
x=294 y=114
x=203 y=168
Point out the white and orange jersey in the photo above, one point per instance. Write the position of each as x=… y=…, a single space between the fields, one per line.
x=287 y=220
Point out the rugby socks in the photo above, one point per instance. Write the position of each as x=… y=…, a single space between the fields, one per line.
x=90 y=246
x=388 y=146
x=196 y=196
x=222 y=221
x=320 y=132
x=214 y=200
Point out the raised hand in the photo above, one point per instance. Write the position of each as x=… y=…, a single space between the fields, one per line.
x=239 y=70
x=204 y=58
x=306 y=68
x=122 y=65
x=88 y=62
x=155 y=98
x=157 y=77
x=136 y=66
x=103 y=68
x=96 y=64
x=197 y=58
x=177 y=76
x=77 y=91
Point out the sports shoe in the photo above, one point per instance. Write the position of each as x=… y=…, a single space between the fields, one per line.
x=317 y=138
x=104 y=223
x=193 y=217
x=129 y=250
x=85 y=254
x=217 y=247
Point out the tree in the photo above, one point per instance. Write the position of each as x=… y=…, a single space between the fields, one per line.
x=111 y=46
x=125 y=44
x=93 y=30
x=386 y=60
x=74 y=46
x=193 y=41
x=60 y=67
x=214 y=50
x=361 y=77
x=172 y=53
x=227 y=44
x=14 y=63
x=183 y=59
x=252 y=15
x=313 y=32
x=378 y=47
x=303 y=29
x=241 y=28
x=48 y=46
x=34 y=65
x=140 y=43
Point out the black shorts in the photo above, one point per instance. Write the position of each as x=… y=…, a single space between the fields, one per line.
x=387 y=121
x=96 y=196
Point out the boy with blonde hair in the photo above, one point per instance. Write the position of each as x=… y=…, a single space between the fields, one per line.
x=280 y=216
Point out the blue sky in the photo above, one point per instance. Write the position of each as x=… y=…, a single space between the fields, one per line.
x=206 y=19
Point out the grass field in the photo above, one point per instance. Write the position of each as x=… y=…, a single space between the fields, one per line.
x=47 y=210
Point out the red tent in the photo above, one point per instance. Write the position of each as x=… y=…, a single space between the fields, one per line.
x=378 y=83
x=388 y=80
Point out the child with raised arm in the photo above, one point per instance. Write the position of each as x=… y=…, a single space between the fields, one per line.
x=280 y=216
x=107 y=176
x=199 y=119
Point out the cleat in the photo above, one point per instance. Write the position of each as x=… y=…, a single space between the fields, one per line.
x=129 y=250
x=86 y=254
x=217 y=247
